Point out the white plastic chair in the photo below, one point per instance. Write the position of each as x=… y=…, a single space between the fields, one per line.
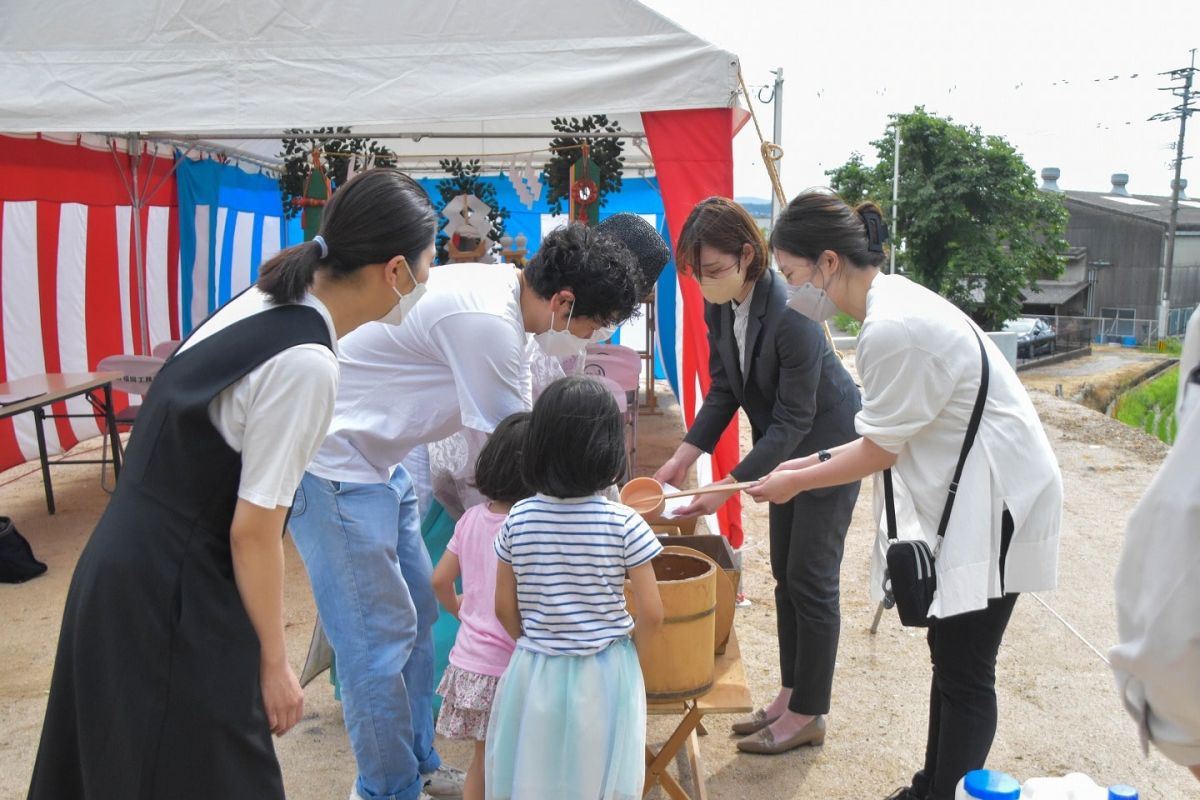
x=164 y=350
x=137 y=373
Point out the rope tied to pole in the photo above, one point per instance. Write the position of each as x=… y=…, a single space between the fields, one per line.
x=772 y=154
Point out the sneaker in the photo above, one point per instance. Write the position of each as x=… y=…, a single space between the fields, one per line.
x=743 y=601
x=445 y=782
x=356 y=796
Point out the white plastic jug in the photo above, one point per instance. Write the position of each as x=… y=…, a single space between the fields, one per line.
x=986 y=784
x=1075 y=786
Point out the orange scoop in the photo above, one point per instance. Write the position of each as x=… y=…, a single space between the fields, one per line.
x=646 y=497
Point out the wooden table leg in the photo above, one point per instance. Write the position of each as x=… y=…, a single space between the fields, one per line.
x=657 y=763
x=697 y=767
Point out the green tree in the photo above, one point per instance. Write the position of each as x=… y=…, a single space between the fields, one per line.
x=973 y=225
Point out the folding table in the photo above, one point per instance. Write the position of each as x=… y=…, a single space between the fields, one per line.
x=37 y=392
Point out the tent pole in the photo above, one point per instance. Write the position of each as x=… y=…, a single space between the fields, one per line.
x=139 y=257
x=416 y=136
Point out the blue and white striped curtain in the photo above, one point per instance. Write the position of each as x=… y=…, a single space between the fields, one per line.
x=230 y=221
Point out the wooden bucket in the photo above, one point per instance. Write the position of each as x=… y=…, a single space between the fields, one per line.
x=677 y=664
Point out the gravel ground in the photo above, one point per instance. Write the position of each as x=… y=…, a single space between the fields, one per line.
x=1059 y=711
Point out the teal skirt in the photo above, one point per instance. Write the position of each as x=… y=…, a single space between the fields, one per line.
x=568 y=727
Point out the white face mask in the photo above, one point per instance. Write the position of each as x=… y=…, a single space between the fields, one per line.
x=560 y=344
x=406 y=302
x=812 y=302
x=603 y=334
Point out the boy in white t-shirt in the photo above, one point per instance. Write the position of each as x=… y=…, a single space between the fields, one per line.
x=458 y=361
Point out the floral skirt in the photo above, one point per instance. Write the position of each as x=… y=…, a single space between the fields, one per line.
x=466 y=704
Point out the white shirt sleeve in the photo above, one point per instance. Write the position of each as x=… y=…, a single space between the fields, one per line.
x=1157 y=662
x=276 y=417
x=905 y=387
x=486 y=355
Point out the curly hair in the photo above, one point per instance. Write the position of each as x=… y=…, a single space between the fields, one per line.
x=600 y=271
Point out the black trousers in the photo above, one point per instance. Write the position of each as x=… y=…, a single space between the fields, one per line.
x=962 y=694
x=807 y=539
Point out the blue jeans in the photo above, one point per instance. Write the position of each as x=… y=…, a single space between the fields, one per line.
x=371 y=577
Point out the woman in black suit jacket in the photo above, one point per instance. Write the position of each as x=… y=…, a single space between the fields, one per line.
x=779 y=368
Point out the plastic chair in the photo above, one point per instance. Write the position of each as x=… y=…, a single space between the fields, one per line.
x=137 y=373
x=624 y=366
x=164 y=350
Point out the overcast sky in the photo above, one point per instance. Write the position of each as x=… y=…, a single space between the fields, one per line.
x=1036 y=73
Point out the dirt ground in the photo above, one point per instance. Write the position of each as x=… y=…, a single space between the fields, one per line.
x=1059 y=711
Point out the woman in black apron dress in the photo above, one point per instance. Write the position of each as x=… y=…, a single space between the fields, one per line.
x=162 y=687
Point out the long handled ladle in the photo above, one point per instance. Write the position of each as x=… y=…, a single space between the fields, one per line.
x=646 y=496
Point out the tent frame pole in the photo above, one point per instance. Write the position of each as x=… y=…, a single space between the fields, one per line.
x=416 y=136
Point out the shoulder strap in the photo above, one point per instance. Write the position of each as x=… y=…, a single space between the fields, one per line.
x=968 y=441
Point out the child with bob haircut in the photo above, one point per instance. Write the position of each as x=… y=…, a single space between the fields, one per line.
x=569 y=719
x=482 y=647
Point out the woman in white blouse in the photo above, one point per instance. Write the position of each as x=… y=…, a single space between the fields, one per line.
x=919 y=362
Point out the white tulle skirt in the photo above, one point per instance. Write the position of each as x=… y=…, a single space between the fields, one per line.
x=568 y=727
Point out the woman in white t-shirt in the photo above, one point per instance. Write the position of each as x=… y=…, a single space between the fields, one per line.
x=918 y=358
x=172 y=671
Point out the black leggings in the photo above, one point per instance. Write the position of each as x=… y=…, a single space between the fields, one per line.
x=962 y=694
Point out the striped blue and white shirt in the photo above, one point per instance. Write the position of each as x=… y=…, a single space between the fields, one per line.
x=569 y=556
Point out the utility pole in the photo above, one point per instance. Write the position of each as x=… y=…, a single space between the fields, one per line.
x=895 y=200
x=1182 y=111
x=777 y=134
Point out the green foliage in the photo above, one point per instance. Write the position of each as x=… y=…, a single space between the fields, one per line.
x=845 y=322
x=605 y=153
x=973 y=223
x=854 y=181
x=1172 y=347
x=297 y=161
x=464 y=179
x=1152 y=407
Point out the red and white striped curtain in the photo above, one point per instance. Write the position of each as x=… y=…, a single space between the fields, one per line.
x=68 y=286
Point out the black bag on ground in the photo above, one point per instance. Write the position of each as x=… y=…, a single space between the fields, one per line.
x=911 y=580
x=17 y=563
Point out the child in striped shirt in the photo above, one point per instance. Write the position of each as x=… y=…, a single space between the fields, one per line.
x=569 y=719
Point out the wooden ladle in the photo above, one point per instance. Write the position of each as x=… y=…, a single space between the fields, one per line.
x=646 y=495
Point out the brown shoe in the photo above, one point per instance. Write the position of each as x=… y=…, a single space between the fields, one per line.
x=753 y=723
x=812 y=734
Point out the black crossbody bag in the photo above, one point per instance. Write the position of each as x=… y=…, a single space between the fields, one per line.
x=910 y=579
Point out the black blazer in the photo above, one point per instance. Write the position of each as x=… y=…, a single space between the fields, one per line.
x=798 y=396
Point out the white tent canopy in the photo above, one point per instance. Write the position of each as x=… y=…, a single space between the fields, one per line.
x=221 y=69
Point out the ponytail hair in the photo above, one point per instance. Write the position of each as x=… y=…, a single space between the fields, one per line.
x=374 y=217
x=816 y=221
